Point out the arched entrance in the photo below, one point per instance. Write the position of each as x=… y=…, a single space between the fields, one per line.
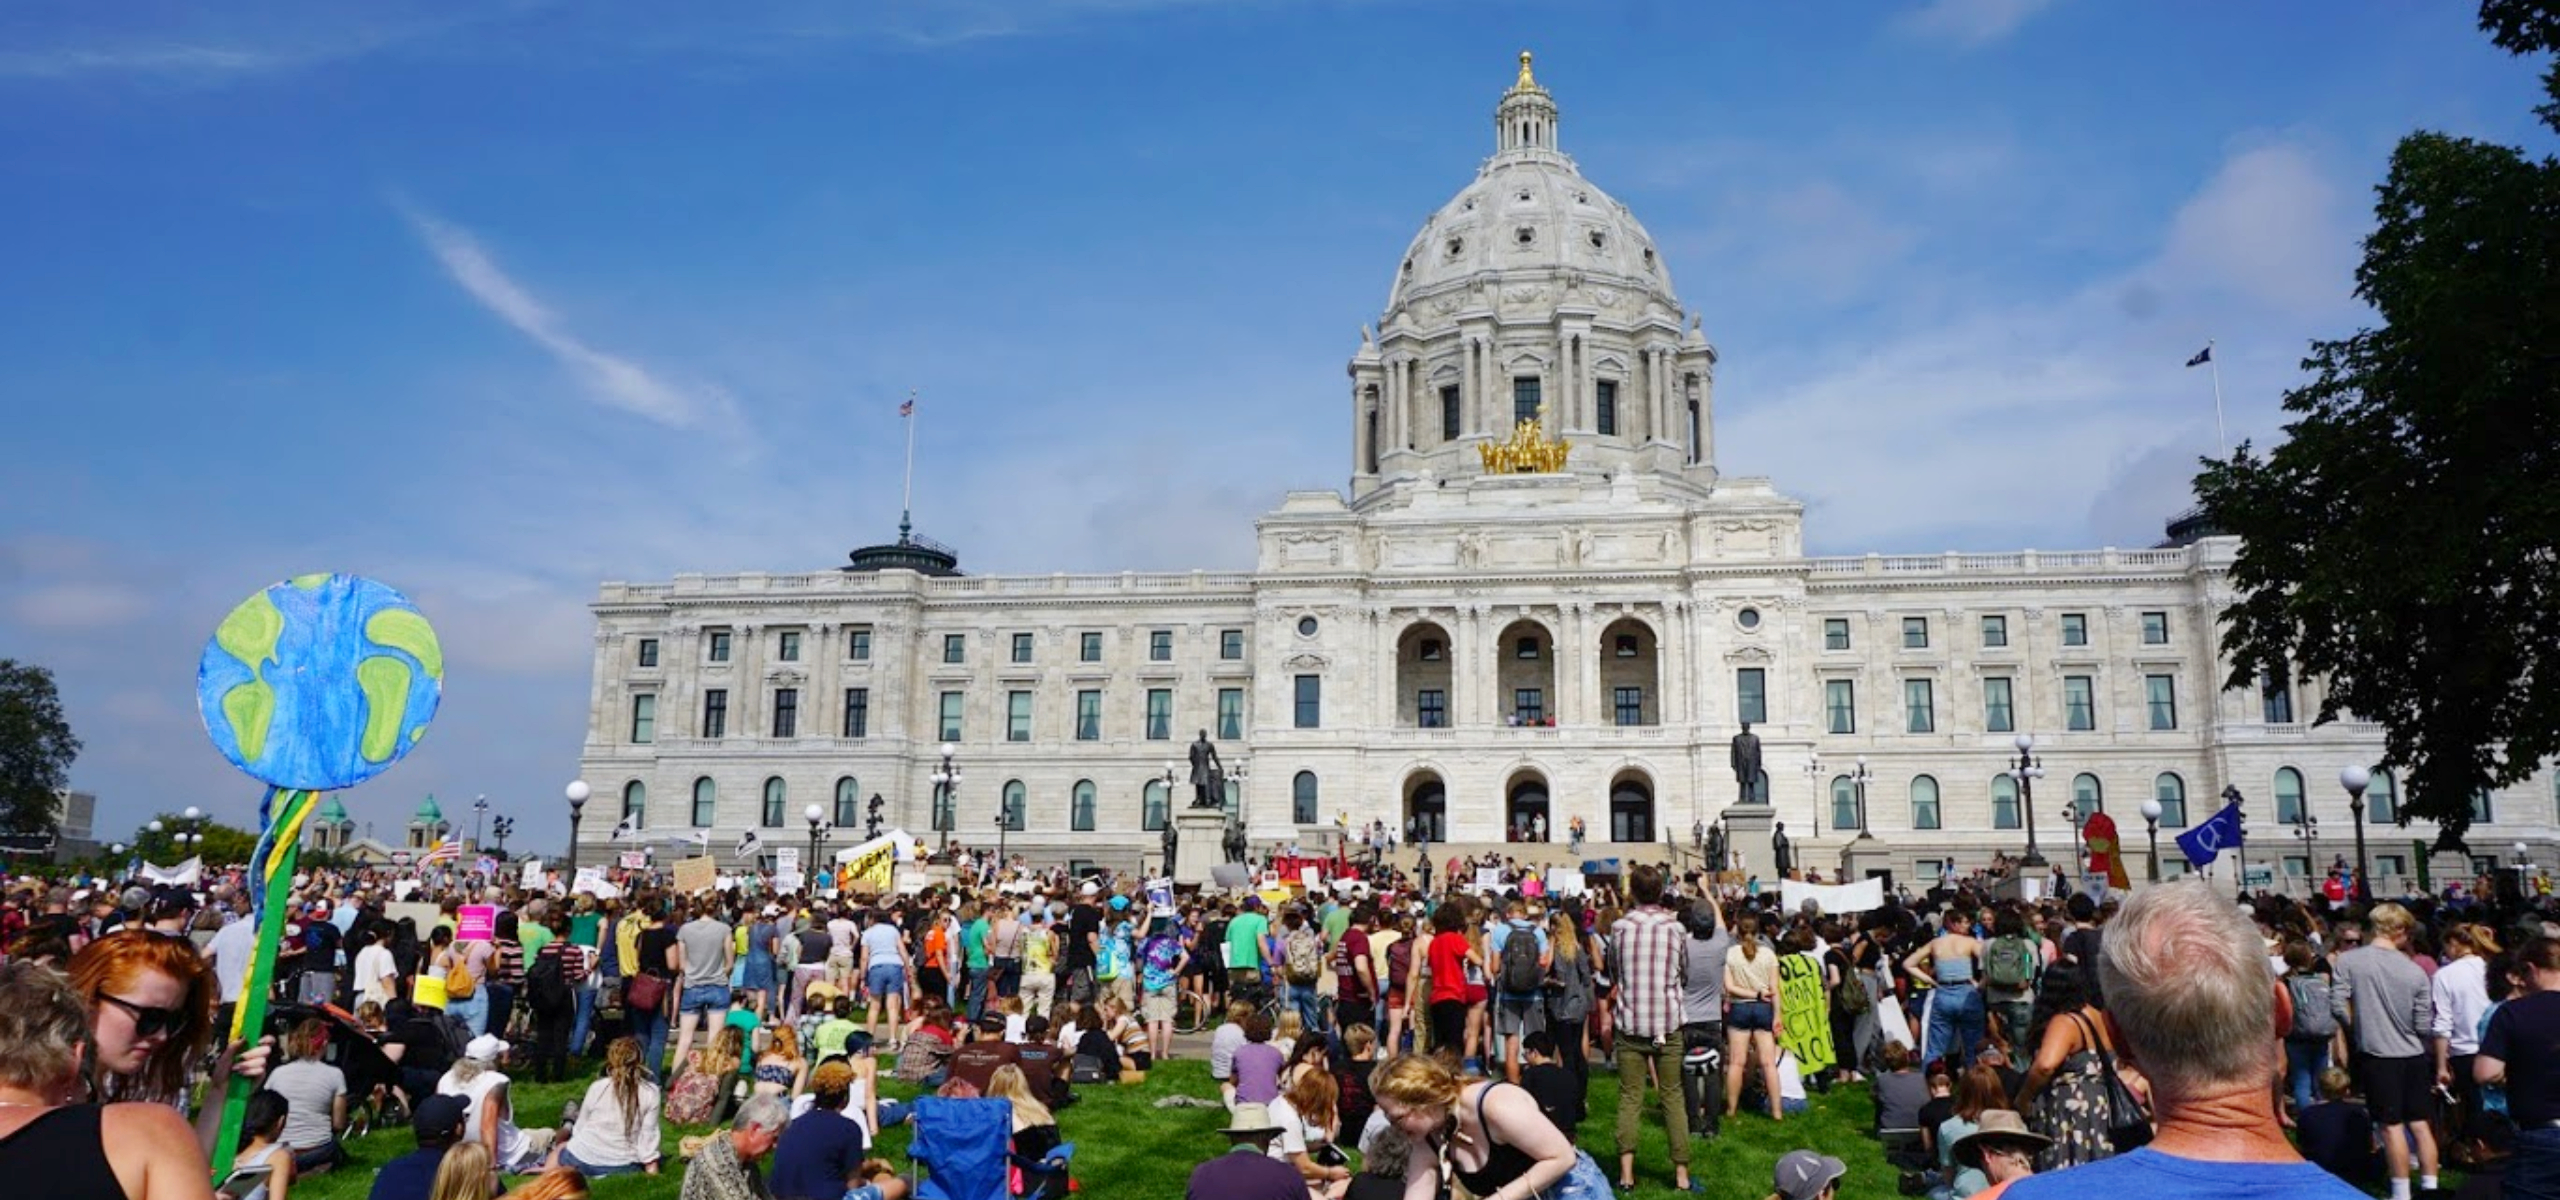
x=1426 y=808
x=1631 y=808
x=1524 y=811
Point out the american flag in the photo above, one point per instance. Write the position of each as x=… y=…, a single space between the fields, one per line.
x=908 y=409
x=442 y=852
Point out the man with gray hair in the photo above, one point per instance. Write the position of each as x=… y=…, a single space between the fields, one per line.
x=725 y=1167
x=2190 y=1005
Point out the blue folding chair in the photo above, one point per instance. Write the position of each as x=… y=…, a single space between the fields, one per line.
x=963 y=1147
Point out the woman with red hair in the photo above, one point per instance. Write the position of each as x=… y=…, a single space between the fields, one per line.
x=150 y=998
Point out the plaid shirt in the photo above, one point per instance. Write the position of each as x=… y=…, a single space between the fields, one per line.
x=1648 y=955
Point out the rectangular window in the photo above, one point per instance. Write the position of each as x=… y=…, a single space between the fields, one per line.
x=644 y=719
x=2079 y=703
x=1751 y=695
x=1607 y=410
x=955 y=647
x=1231 y=645
x=1089 y=715
x=857 y=712
x=786 y=646
x=1160 y=645
x=715 y=712
x=1629 y=703
x=2382 y=802
x=2162 y=692
x=1089 y=646
x=951 y=708
x=1017 y=716
x=719 y=645
x=1526 y=648
x=2004 y=802
x=1230 y=712
x=1835 y=633
x=1924 y=810
x=1840 y=705
x=2484 y=808
x=1915 y=633
x=1998 y=713
x=1995 y=632
x=1524 y=399
x=1529 y=704
x=2276 y=696
x=1022 y=647
x=1919 y=705
x=2075 y=629
x=857 y=643
x=1431 y=708
x=2155 y=629
x=786 y=712
x=1159 y=714
x=1449 y=406
x=1310 y=702
x=648 y=652
x=2389 y=866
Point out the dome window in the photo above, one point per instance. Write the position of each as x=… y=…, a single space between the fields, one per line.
x=1648 y=258
x=1456 y=245
x=1525 y=235
x=1582 y=197
x=1599 y=240
x=1523 y=197
x=1408 y=266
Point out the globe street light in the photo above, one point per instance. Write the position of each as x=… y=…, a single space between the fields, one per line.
x=2027 y=770
x=2151 y=825
x=1858 y=781
x=479 y=808
x=2307 y=828
x=946 y=794
x=817 y=818
x=577 y=792
x=2355 y=779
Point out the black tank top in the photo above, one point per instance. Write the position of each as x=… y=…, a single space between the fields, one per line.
x=1502 y=1163
x=59 y=1156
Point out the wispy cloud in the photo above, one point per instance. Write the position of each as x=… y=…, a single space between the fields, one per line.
x=1969 y=23
x=205 y=45
x=608 y=378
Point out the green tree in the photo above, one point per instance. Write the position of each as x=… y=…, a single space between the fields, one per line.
x=2403 y=542
x=36 y=749
x=224 y=845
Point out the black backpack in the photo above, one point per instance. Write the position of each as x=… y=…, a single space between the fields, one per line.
x=547 y=983
x=1519 y=974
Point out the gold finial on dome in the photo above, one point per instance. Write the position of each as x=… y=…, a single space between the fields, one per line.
x=1527 y=83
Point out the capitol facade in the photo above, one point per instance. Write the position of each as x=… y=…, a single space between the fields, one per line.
x=1539 y=600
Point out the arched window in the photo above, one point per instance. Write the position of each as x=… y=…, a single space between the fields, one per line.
x=1302 y=798
x=2382 y=798
x=706 y=800
x=1844 y=803
x=776 y=797
x=2087 y=796
x=2004 y=801
x=1156 y=808
x=635 y=803
x=1080 y=806
x=2288 y=796
x=2171 y=792
x=1924 y=802
x=848 y=802
x=1016 y=804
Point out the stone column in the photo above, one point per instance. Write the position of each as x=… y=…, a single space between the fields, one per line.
x=822 y=714
x=602 y=718
x=1586 y=660
x=1465 y=646
x=1671 y=663
x=746 y=699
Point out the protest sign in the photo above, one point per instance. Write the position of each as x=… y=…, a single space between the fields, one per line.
x=476 y=923
x=533 y=876
x=696 y=875
x=635 y=860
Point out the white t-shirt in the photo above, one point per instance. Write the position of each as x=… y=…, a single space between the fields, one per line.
x=841 y=932
x=231 y=949
x=475 y=1095
x=1295 y=1135
x=1790 y=1078
x=374 y=965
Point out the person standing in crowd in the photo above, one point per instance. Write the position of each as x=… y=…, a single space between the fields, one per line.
x=654 y=947
x=1949 y=966
x=1519 y=981
x=887 y=975
x=2066 y=1085
x=725 y=1167
x=2187 y=989
x=1247 y=931
x=1751 y=1015
x=2520 y=1052
x=1702 y=997
x=704 y=952
x=1569 y=981
x=1649 y=959
x=1445 y=962
x=1084 y=944
x=2459 y=993
x=2387 y=1004
x=1161 y=962
x=53 y=1147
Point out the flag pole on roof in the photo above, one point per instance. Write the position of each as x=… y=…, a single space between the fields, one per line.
x=2204 y=358
x=907 y=491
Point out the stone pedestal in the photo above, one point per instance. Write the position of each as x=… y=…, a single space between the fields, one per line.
x=1198 y=833
x=1747 y=849
x=1866 y=855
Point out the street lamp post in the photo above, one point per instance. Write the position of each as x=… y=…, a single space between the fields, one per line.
x=817 y=818
x=1003 y=826
x=479 y=809
x=1813 y=772
x=1858 y=782
x=2307 y=828
x=2151 y=826
x=577 y=792
x=2072 y=816
x=946 y=794
x=2355 y=779
x=2027 y=770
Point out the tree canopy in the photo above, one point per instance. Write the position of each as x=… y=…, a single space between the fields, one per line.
x=36 y=749
x=2403 y=542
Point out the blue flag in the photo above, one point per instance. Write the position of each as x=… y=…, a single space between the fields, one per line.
x=2202 y=357
x=2205 y=842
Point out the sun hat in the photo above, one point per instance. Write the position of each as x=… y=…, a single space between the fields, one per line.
x=1802 y=1174
x=486 y=1047
x=1997 y=1125
x=1251 y=1120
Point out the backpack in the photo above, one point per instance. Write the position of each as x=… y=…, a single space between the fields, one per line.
x=1305 y=954
x=547 y=983
x=1088 y=1069
x=1854 y=999
x=2010 y=964
x=2313 y=1019
x=456 y=1035
x=692 y=1099
x=1519 y=974
x=459 y=982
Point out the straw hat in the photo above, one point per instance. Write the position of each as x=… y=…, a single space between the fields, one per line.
x=1998 y=1124
x=1251 y=1120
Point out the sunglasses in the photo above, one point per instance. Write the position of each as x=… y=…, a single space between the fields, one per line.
x=150 y=1022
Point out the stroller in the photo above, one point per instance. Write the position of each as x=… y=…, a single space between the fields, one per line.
x=373 y=1080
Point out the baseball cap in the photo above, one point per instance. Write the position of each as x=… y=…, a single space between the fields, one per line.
x=1090 y=888
x=1802 y=1174
x=1119 y=902
x=438 y=1119
x=487 y=1048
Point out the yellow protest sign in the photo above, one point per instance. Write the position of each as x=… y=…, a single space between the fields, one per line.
x=871 y=869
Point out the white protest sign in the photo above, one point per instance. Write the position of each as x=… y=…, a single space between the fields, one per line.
x=1564 y=881
x=1488 y=879
x=1865 y=895
x=786 y=860
x=533 y=881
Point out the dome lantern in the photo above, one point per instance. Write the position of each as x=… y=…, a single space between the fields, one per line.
x=1526 y=118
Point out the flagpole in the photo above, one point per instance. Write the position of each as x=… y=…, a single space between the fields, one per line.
x=2218 y=428
x=907 y=492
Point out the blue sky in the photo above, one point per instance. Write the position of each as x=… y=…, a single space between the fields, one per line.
x=497 y=301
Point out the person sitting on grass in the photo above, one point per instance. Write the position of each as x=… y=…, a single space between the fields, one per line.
x=1806 y=1175
x=558 y=1183
x=724 y=1168
x=1223 y=1045
x=780 y=1070
x=830 y=1034
x=464 y=1174
x=823 y=1149
x=2337 y=1135
x=617 y=1130
x=1310 y=1125
x=437 y=1121
x=263 y=1169
x=1258 y=1063
x=492 y=1116
x=1035 y=1128
x=1247 y=1171
x=925 y=1058
x=2001 y=1147
x=1136 y=1045
x=1488 y=1133
x=1561 y=1096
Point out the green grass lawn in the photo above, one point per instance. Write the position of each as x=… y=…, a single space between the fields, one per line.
x=1126 y=1147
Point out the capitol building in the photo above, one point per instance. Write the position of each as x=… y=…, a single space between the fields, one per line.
x=1538 y=600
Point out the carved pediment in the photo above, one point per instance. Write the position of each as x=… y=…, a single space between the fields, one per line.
x=1748 y=654
x=1306 y=662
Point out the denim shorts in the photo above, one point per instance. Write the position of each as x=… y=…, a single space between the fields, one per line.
x=592 y=1171
x=885 y=979
x=709 y=997
x=1752 y=1016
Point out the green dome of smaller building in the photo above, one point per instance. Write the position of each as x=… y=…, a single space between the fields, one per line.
x=332 y=812
x=428 y=813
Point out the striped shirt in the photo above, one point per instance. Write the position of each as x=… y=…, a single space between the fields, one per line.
x=1648 y=954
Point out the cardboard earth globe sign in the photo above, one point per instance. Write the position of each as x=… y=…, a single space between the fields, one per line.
x=320 y=682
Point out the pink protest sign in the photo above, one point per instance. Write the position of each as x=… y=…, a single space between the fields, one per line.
x=476 y=923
